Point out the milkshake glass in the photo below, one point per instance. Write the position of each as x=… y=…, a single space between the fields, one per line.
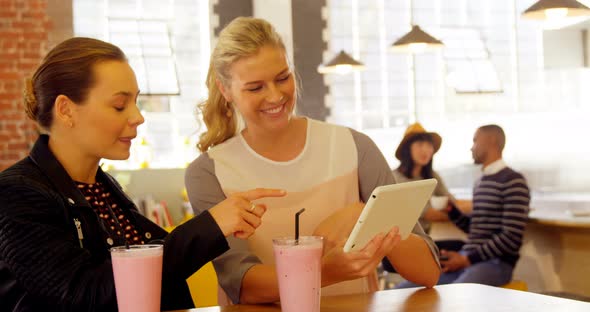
x=299 y=271
x=138 y=277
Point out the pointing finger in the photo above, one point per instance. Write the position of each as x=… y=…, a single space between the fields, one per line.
x=261 y=193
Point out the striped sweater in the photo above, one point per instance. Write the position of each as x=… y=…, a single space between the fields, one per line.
x=500 y=210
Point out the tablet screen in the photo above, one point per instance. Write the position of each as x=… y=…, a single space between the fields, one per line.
x=390 y=205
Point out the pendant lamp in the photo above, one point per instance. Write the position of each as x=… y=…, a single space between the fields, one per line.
x=341 y=64
x=555 y=9
x=416 y=41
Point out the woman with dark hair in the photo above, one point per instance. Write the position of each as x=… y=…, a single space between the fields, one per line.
x=415 y=153
x=60 y=213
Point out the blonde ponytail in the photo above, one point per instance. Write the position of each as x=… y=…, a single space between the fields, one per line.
x=243 y=37
x=218 y=116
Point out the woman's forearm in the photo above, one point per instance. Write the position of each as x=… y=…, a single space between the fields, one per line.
x=466 y=206
x=260 y=285
x=414 y=261
x=434 y=215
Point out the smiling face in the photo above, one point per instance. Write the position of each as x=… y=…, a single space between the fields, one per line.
x=106 y=122
x=262 y=88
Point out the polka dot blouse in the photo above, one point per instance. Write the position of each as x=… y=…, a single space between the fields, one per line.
x=100 y=199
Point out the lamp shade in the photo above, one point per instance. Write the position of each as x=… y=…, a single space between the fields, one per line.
x=341 y=64
x=416 y=41
x=547 y=9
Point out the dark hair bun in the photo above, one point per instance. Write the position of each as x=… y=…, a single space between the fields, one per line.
x=31 y=107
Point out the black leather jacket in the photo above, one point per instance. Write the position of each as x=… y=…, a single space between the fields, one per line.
x=45 y=265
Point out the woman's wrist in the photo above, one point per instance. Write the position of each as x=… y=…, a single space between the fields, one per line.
x=449 y=207
x=327 y=278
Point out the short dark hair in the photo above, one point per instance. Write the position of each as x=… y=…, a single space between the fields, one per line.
x=66 y=70
x=497 y=132
x=407 y=163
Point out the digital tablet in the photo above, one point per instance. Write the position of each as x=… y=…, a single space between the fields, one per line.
x=390 y=205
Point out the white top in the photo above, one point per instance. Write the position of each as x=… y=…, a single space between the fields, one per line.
x=337 y=167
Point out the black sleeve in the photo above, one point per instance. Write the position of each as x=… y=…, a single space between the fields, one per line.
x=186 y=249
x=193 y=244
x=461 y=220
x=37 y=246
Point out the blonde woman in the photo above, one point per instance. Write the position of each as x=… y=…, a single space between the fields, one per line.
x=328 y=169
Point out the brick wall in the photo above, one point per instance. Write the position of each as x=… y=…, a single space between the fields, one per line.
x=24 y=27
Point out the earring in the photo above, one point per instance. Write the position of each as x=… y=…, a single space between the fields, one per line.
x=71 y=124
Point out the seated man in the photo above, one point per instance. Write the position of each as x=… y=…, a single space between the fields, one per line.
x=496 y=226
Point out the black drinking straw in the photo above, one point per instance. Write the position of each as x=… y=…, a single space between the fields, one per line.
x=297 y=225
x=119 y=225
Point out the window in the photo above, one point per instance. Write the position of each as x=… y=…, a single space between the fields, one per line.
x=469 y=68
x=147 y=45
x=168 y=46
x=140 y=29
x=377 y=97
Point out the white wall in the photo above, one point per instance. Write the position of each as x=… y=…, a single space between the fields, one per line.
x=563 y=48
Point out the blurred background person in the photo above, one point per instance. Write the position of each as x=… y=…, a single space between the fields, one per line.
x=415 y=153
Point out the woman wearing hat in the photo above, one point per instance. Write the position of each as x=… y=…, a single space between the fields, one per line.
x=415 y=153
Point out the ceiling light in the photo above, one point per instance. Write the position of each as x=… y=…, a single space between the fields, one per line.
x=555 y=9
x=416 y=41
x=341 y=64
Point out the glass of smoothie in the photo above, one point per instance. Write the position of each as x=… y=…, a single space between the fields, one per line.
x=299 y=270
x=138 y=277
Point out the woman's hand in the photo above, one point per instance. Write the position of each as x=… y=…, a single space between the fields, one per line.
x=434 y=215
x=338 y=266
x=237 y=214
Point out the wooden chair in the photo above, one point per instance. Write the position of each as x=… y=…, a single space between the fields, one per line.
x=516 y=285
x=203 y=286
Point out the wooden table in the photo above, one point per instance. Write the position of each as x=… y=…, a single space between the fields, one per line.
x=453 y=297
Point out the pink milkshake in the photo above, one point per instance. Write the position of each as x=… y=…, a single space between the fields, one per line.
x=138 y=277
x=299 y=271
